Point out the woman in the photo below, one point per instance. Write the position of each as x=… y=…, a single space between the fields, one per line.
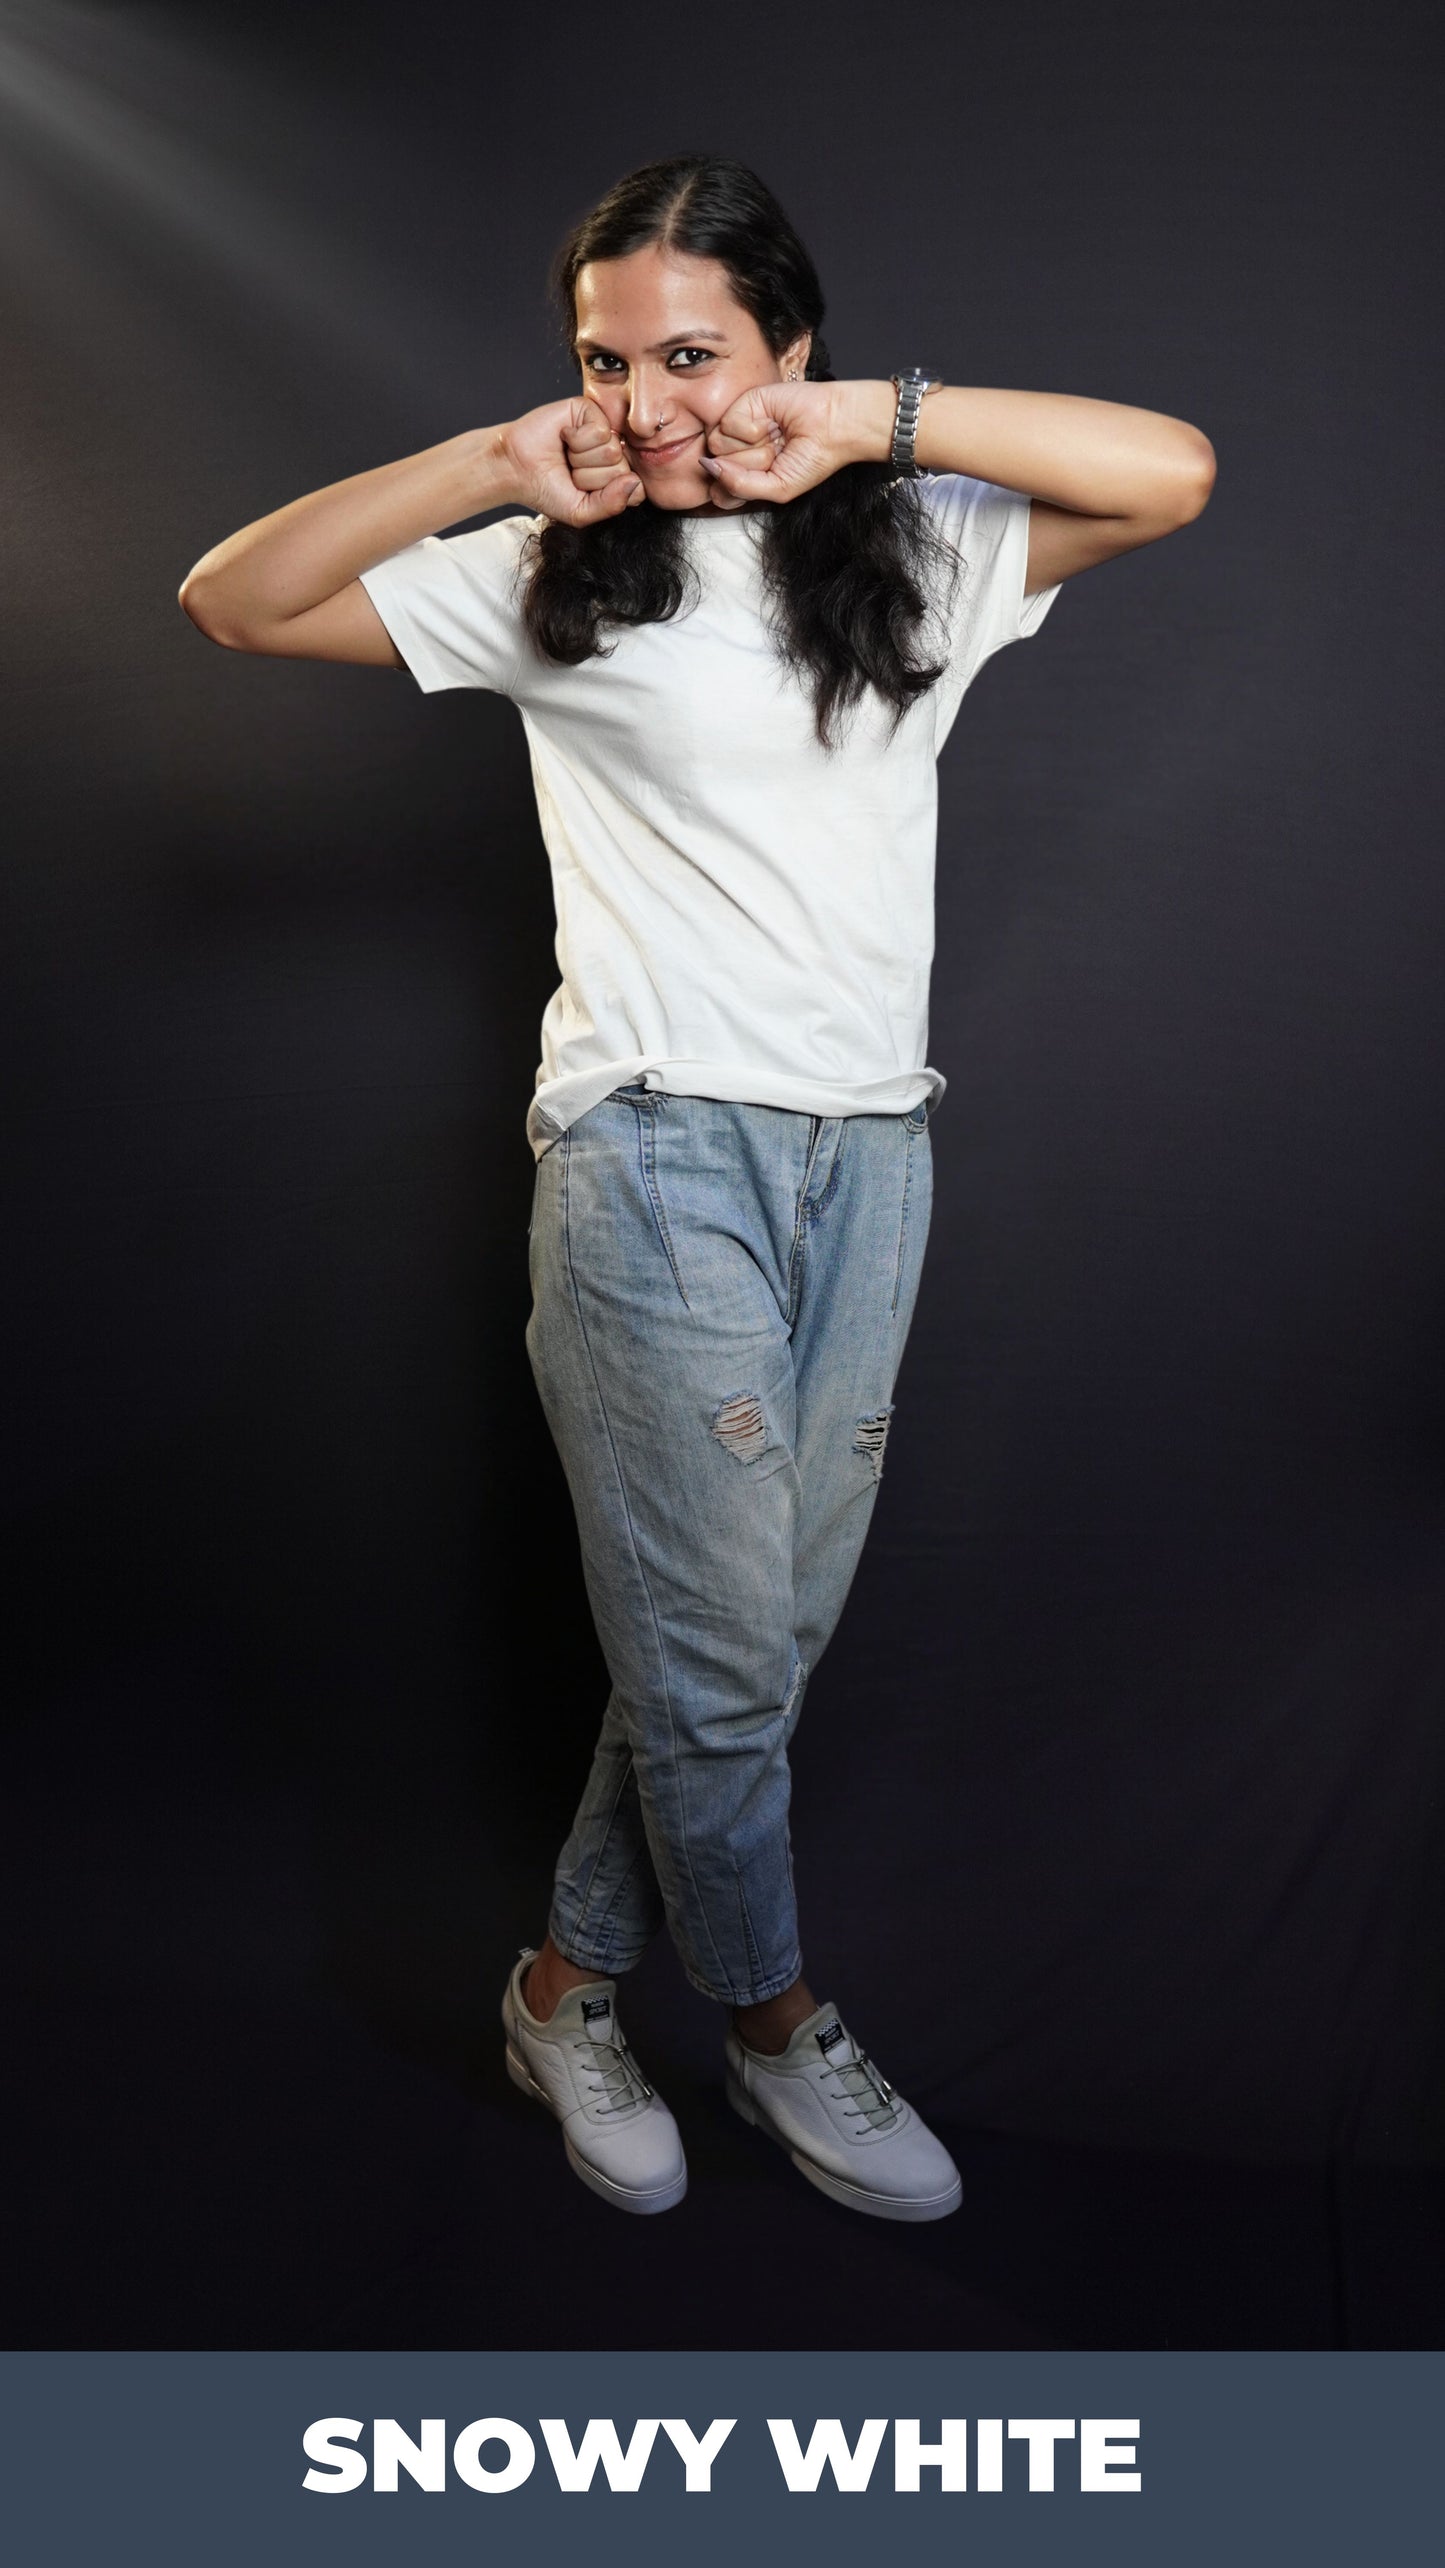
x=739 y=615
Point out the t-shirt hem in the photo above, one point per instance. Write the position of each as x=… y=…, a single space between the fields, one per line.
x=560 y=1103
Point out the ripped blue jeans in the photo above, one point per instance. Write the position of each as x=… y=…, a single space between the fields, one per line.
x=721 y=1295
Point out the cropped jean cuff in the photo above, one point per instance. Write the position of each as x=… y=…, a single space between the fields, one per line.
x=601 y=1957
x=757 y=1996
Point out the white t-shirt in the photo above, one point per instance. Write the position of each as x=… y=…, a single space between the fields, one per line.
x=741 y=913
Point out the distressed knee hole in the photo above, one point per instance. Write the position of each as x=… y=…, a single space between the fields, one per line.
x=796 y=1682
x=739 y=1424
x=871 y=1437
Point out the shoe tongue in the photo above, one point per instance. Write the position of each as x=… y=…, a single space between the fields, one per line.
x=594 y=2012
x=822 y=2037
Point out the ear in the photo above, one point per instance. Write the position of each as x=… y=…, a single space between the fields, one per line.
x=794 y=359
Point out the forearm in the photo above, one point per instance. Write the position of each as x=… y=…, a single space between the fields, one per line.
x=1099 y=457
x=308 y=551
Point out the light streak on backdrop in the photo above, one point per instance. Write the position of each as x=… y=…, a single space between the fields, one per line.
x=121 y=146
x=207 y=303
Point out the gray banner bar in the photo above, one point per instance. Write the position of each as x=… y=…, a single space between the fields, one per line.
x=202 y=2458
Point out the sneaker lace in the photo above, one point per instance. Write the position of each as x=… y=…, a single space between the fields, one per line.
x=618 y=2077
x=874 y=2100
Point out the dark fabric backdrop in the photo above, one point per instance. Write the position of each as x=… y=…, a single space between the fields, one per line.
x=1118 y=1799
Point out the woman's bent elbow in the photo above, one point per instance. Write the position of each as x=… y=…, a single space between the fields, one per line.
x=207 y=612
x=1196 y=477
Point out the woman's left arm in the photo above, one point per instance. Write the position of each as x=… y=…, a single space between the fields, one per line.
x=1103 y=477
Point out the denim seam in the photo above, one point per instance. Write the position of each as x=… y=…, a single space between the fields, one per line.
x=631 y=1530
x=902 y=1222
x=609 y=1914
x=608 y=1825
x=750 y=1941
x=599 y=1938
x=796 y=1674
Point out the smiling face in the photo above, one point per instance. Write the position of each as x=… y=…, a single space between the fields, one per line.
x=665 y=347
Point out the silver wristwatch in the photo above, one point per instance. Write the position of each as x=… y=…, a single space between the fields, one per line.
x=912 y=384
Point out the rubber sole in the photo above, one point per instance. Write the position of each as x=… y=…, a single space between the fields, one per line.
x=853 y=2197
x=658 y=2198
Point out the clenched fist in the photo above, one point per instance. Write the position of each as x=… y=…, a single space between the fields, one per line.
x=776 y=441
x=569 y=464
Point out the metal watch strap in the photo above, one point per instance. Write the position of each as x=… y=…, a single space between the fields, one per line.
x=911 y=385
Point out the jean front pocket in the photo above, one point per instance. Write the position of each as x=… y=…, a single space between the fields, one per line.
x=647 y=1106
x=917 y=1198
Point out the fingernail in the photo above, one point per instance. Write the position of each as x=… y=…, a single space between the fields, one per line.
x=709 y=467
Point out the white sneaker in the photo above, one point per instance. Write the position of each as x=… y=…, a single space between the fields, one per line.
x=619 y=2136
x=842 y=2124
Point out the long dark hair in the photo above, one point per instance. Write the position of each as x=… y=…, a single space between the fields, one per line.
x=846 y=566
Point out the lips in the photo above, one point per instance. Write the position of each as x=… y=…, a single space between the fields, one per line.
x=668 y=454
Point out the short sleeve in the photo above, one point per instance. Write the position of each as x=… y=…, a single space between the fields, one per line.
x=988 y=529
x=451 y=605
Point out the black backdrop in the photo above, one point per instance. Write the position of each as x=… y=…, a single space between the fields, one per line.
x=1118 y=1804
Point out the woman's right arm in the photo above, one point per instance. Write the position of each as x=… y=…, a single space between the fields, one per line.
x=290 y=585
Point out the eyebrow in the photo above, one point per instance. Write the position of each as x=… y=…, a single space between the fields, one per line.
x=681 y=339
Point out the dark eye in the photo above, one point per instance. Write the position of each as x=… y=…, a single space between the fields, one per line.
x=704 y=353
x=602 y=363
